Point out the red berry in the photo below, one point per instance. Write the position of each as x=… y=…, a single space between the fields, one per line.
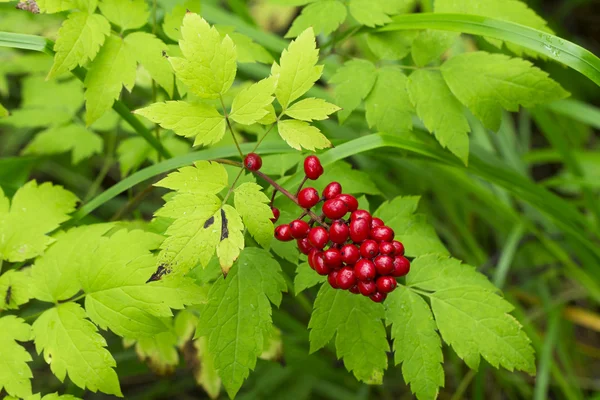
x=346 y=278
x=312 y=167
x=375 y=222
x=401 y=266
x=332 y=190
x=311 y=257
x=382 y=234
x=359 y=230
x=361 y=214
x=308 y=197
x=369 y=249
x=364 y=270
x=318 y=237
x=398 y=248
x=304 y=245
x=354 y=289
x=276 y=214
x=338 y=232
x=384 y=264
x=253 y=162
x=283 y=233
x=366 y=288
x=333 y=258
x=387 y=248
x=335 y=209
x=378 y=297
x=299 y=228
x=350 y=254
x=332 y=279
x=386 y=284
x=320 y=267
x=349 y=200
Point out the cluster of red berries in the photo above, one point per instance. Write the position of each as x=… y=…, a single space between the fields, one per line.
x=358 y=254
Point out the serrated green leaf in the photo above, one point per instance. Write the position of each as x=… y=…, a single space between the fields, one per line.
x=34 y=118
x=376 y=12
x=82 y=142
x=306 y=278
x=35 y=211
x=323 y=16
x=486 y=83
x=201 y=121
x=206 y=375
x=72 y=345
x=159 y=352
x=413 y=230
x=356 y=322
x=311 y=109
x=14 y=289
x=440 y=111
x=174 y=19
x=475 y=321
x=388 y=106
x=253 y=205
x=15 y=374
x=249 y=51
x=298 y=70
x=209 y=66
x=232 y=237
x=113 y=68
x=354 y=81
x=54 y=6
x=148 y=50
x=237 y=318
x=393 y=45
x=250 y=104
x=430 y=44
x=416 y=343
x=39 y=93
x=300 y=134
x=127 y=14
x=79 y=40
x=204 y=177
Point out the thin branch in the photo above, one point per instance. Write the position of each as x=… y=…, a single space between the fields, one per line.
x=230 y=128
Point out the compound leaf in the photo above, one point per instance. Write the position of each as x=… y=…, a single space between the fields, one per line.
x=15 y=374
x=430 y=44
x=14 y=289
x=148 y=50
x=388 y=106
x=311 y=109
x=306 y=278
x=232 y=237
x=253 y=205
x=354 y=81
x=300 y=134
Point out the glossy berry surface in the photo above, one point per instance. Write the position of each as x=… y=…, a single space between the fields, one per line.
x=308 y=197
x=346 y=278
x=339 y=232
x=335 y=209
x=333 y=258
x=401 y=266
x=369 y=249
x=276 y=214
x=312 y=167
x=386 y=284
x=304 y=245
x=387 y=248
x=382 y=234
x=318 y=237
x=398 y=247
x=283 y=233
x=350 y=254
x=359 y=230
x=332 y=190
x=375 y=222
x=366 y=288
x=365 y=270
x=253 y=162
x=299 y=229
x=332 y=279
x=384 y=264
x=361 y=214
x=378 y=297
x=349 y=200
x=320 y=267
x=354 y=289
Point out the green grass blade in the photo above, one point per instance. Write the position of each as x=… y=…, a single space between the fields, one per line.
x=577 y=110
x=21 y=41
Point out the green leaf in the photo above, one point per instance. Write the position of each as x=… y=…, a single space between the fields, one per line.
x=440 y=111
x=300 y=134
x=311 y=109
x=323 y=16
x=250 y=104
x=356 y=322
x=279 y=164
x=430 y=44
x=82 y=142
x=388 y=106
x=148 y=50
x=79 y=40
x=174 y=19
x=204 y=177
x=159 y=352
x=253 y=205
x=35 y=211
x=104 y=80
x=306 y=278
x=207 y=375
x=54 y=6
x=237 y=319
x=232 y=237
x=416 y=343
x=475 y=321
x=486 y=83
x=298 y=70
x=14 y=289
x=34 y=118
x=15 y=374
x=249 y=51
x=197 y=120
x=353 y=181
x=391 y=45
x=3 y=111
x=72 y=345
x=209 y=66
x=413 y=230
x=128 y=14
x=39 y=93
x=354 y=81
x=369 y=12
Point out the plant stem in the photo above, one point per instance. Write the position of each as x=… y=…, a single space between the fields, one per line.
x=264 y=136
x=301 y=184
x=108 y=160
x=230 y=128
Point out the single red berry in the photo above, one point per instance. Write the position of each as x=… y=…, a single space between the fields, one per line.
x=283 y=233
x=369 y=249
x=361 y=214
x=338 y=232
x=333 y=258
x=366 y=288
x=320 y=267
x=332 y=279
x=312 y=167
x=253 y=162
x=304 y=245
x=387 y=248
x=378 y=297
x=332 y=190
x=375 y=222
x=276 y=214
x=318 y=237
x=382 y=234
x=350 y=254
x=359 y=230
x=354 y=289
x=384 y=264
x=299 y=228
x=386 y=284
x=346 y=278
x=398 y=247
x=311 y=257
x=349 y=200
x=335 y=209
x=364 y=270
x=308 y=197
x=401 y=266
